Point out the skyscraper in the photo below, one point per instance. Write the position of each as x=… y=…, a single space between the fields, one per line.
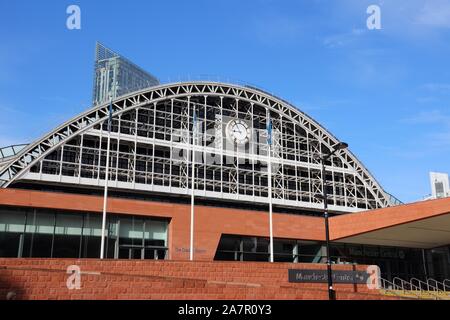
x=439 y=185
x=115 y=76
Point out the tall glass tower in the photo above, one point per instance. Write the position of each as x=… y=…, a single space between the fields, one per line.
x=115 y=76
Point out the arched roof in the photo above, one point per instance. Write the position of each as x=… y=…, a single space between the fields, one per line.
x=42 y=147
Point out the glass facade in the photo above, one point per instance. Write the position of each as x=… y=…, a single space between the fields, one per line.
x=405 y=263
x=62 y=234
x=238 y=248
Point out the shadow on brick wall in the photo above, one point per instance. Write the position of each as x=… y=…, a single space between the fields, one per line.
x=9 y=289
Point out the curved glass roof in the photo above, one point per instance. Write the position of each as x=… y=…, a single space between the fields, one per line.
x=10 y=151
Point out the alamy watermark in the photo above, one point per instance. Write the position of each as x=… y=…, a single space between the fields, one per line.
x=74 y=280
x=73 y=21
x=374 y=20
x=374 y=280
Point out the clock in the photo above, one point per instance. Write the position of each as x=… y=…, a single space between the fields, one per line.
x=238 y=131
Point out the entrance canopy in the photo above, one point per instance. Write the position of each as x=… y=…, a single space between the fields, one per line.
x=424 y=224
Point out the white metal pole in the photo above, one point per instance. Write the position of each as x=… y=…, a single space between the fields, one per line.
x=269 y=182
x=191 y=249
x=105 y=198
x=105 y=193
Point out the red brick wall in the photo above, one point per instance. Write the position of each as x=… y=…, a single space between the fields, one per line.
x=146 y=279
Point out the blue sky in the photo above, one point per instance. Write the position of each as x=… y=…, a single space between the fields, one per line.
x=385 y=92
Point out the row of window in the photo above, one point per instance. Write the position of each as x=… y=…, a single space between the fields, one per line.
x=239 y=248
x=60 y=234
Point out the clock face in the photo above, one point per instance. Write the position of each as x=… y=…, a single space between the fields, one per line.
x=238 y=131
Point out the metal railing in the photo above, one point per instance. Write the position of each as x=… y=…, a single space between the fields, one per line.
x=391 y=287
x=426 y=287
x=416 y=288
x=404 y=285
x=407 y=287
x=446 y=286
x=386 y=284
x=440 y=286
x=433 y=283
x=394 y=201
x=423 y=286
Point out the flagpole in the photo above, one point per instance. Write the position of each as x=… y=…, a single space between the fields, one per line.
x=105 y=193
x=269 y=182
x=191 y=251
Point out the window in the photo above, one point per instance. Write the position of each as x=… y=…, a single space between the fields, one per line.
x=142 y=238
x=112 y=223
x=284 y=250
x=39 y=234
x=43 y=233
x=309 y=251
x=67 y=239
x=92 y=231
x=240 y=248
x=12 y=224
x=131 y=235
x=228 y=249
x=155 y=238
x=255 y=249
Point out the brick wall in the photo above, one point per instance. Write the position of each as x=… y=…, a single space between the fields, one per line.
x=149 y=279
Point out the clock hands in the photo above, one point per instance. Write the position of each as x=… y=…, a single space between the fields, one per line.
x=238 y=131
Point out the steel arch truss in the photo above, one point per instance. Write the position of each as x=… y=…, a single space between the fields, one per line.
x=152 y=134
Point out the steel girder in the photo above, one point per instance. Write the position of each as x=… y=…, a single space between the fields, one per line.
x=82 y=123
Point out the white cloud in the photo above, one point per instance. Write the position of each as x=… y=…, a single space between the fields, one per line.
x=438 y=87
x=342 y=39
x=441 y=138
x=435 y=13
x=429 y=117
x=426 y=99
x=438 y=127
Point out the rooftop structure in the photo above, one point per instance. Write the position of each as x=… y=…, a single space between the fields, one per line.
x=115 y=76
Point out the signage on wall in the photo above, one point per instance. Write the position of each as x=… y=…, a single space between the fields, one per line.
x=184 y=250
x=320 y=276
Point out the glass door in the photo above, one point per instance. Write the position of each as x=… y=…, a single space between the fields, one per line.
x=130 y=252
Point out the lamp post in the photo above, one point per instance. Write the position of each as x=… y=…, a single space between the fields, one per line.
x=323 y=158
